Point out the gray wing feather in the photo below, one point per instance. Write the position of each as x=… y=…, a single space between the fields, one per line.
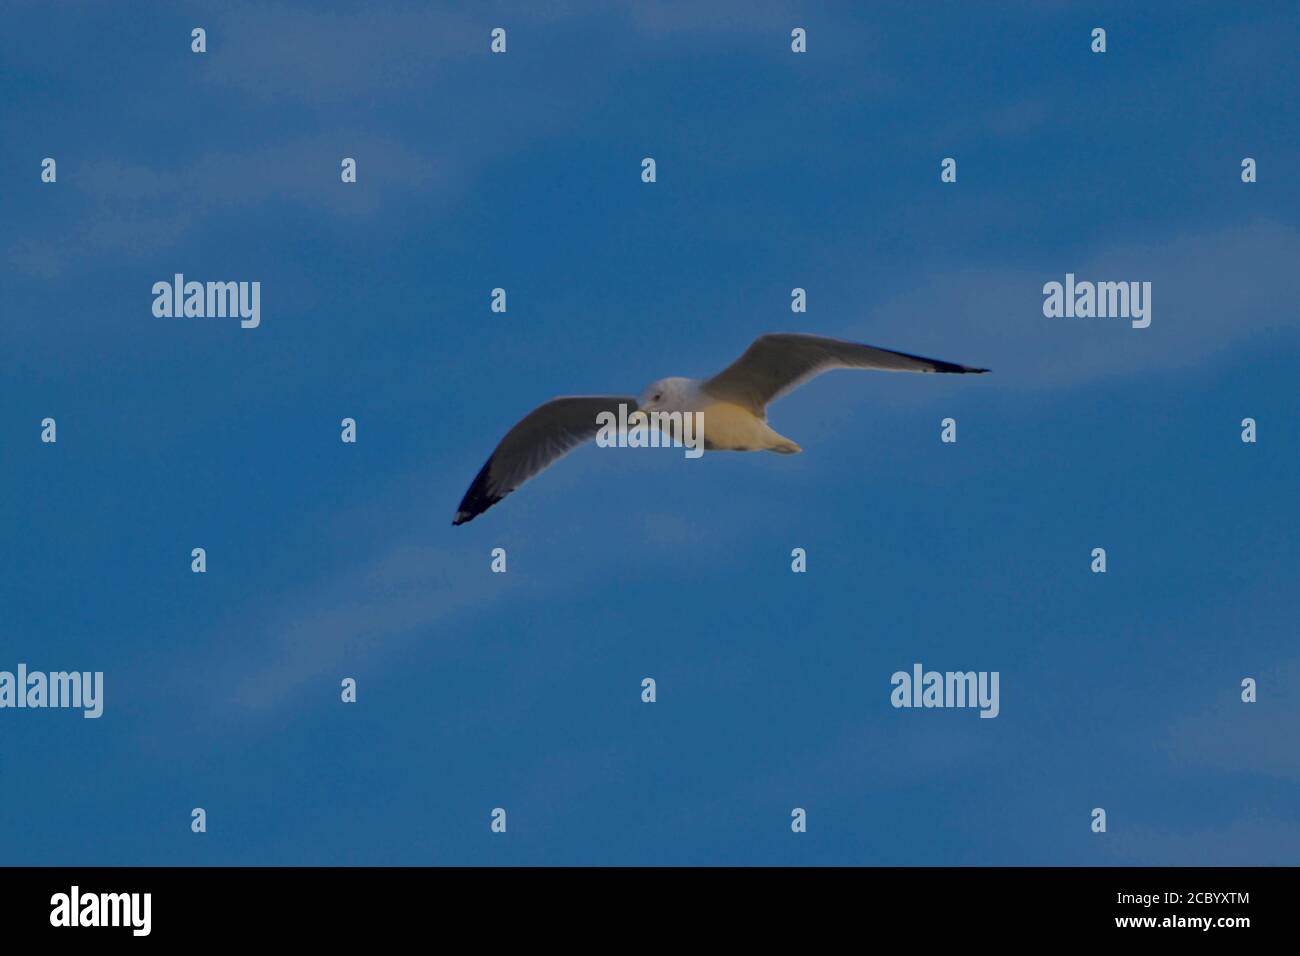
x=780 y=362
x=545 y=434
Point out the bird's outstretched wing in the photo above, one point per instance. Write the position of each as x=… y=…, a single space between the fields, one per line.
x=778 y=363
x=546 y=433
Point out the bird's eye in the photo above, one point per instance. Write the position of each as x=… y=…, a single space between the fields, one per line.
x=658 y=395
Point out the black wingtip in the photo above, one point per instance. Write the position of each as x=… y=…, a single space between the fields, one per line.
x=477 y=499
x=473 y=506
x=471 y=510
x=952 y=368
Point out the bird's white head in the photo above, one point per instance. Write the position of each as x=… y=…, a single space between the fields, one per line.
x=666 y=395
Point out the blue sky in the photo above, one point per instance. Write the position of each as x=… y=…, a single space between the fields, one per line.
x=522 y=690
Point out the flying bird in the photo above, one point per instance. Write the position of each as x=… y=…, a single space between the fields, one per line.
x=734 y=403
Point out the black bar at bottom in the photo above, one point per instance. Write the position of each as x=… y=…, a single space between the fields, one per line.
x=340 y=905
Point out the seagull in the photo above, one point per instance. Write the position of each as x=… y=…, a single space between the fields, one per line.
x=734 y=403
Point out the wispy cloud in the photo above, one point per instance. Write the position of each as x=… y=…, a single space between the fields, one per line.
x=1240 y=738
x=1256 y=840
x=129 y=210
x=1212 y=292
x=402 y=595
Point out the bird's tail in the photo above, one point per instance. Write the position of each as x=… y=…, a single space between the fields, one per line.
x=784 y=446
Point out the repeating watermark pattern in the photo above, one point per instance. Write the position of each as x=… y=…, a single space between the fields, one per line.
x=775 y=363
x=210 y=300
x=75 y=908
x=83 y=690
x=1098 y=300
x=638 y=429
x=922 y=688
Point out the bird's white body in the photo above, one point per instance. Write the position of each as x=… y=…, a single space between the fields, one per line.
x=727 y=426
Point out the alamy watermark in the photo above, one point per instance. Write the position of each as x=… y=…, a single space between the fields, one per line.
x=923 y=688
x=36 y=689
x=76 y=908
x=638 y=429
x=1100 y=300
x=211 y=300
